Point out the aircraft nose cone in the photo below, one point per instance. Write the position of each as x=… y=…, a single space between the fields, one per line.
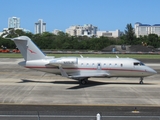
x=153 y=71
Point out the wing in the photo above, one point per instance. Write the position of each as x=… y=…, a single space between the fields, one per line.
x=91 y=75
x=83 y=75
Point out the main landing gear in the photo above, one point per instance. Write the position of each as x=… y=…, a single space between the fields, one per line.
x=141 y=80
x=84 y=81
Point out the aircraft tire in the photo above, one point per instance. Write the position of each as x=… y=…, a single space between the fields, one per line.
x=141 y=80
x=83 y=82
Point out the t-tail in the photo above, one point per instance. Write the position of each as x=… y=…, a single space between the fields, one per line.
x=28 y=49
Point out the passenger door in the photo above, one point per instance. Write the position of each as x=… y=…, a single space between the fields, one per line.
x=98 y=66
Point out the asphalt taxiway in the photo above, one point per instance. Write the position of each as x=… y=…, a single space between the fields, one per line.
x=22 y=86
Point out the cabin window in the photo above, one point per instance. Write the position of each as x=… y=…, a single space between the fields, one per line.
x=142 y=64
x=81 y=63
x=104 y=64
x=121 y=65
x=93 y=64
x=87 y=63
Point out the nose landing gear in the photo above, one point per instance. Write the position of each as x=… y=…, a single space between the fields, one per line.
x=141 y=80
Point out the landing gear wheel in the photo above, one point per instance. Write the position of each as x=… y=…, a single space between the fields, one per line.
x=141 y=80
x=84 y=81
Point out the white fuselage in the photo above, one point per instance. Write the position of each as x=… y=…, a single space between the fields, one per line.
x=80 y=68
x=92 y=67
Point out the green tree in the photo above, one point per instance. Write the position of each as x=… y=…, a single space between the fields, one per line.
x=153 y=40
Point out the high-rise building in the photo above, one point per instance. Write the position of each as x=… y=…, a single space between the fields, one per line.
x=40 y=27
x=14 y=22
x=146 y=29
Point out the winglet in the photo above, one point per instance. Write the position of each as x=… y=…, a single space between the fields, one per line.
x=63 y=73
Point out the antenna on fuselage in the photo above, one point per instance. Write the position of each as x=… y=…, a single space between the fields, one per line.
x=81 y=56
x=117 y=56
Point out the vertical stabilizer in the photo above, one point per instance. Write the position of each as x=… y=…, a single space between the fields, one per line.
x=28 y=49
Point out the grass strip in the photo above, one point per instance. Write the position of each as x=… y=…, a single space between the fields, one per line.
x=136 y=56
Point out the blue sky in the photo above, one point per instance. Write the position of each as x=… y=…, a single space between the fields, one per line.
x=60 y=14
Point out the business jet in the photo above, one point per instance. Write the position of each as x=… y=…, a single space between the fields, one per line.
x=80 y=68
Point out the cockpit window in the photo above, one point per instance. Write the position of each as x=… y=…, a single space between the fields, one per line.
x=138 y=64
x=142 y=64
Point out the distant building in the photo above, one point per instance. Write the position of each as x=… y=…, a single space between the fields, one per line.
x=115 y=34
x=56 y=31
x=25 y=30
x=1 y=33
x=146 y=29
x=14 y=22
x=40 y=27
x=86 y=30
